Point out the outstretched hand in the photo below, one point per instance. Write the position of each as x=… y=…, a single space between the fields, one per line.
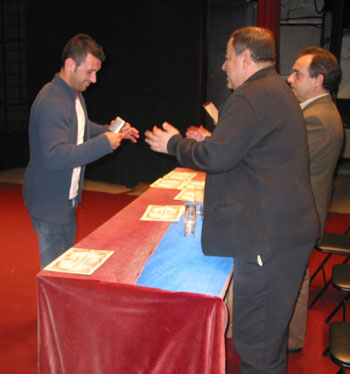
x=158 y=139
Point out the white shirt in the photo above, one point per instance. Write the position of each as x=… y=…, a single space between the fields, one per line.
x=307 y=102
x=80 y=138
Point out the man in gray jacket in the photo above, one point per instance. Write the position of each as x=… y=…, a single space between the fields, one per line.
x=258 y=204
x=62 y=140
x=315 y=76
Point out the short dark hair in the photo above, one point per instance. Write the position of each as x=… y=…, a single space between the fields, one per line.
x=79 y=46
x=260 y=42
x=325 y=63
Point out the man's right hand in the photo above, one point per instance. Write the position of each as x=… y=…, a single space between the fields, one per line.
x=114 y=139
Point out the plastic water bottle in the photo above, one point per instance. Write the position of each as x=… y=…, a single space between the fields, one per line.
x=190 y=219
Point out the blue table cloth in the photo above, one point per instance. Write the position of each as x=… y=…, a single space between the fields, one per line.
x=180 y=265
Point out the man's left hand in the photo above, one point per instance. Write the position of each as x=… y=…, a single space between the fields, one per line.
x=197 y=133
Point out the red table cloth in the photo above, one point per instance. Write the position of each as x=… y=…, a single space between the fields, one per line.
x=104 y=323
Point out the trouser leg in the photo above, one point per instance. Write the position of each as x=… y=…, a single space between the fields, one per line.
x=297 y=324
x=54 y=239
x=264 y=298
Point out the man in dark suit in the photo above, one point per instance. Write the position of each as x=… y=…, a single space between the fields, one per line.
x=314 y=78
x=258 y=204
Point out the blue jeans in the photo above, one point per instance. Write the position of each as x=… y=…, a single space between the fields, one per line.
x=54 y=238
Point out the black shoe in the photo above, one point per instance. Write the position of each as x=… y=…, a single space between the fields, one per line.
x=294 y=351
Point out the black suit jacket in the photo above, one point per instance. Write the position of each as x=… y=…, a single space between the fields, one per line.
x=258 y=198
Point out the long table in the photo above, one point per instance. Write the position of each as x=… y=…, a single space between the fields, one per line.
x=125 y=317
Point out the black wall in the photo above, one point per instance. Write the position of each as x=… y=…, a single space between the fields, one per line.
x=151 y=73
x=155 y=69
x=224 y=18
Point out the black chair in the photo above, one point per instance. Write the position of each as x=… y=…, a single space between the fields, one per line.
x=339 y=345
x=341 y=281
x=331 y=244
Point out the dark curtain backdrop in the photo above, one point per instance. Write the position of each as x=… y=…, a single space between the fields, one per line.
x=224 y=17
x=155 y=71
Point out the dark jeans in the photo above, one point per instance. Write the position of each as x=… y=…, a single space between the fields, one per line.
x=264 y=298
x=54 y=238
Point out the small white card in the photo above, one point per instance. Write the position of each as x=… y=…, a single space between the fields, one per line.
x=180 y=175
x=192 y=185
x=79 y=261
x=212 y=111
x=174 y=180
x=185 y=195
x=167 y=183
x=164 y=213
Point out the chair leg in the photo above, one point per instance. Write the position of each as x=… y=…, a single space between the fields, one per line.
x=341 y=304
x=324 y=289
x=346 y=298
x=320 y=294
x=326 y=352
x=321 y=267
x=346 y=259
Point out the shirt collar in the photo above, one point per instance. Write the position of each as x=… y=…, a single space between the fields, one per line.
x=309 y=101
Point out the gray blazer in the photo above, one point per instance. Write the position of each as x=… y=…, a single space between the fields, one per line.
x=325 y=136
x=258 y=198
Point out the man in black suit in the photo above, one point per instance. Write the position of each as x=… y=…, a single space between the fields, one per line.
x=258 y=205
